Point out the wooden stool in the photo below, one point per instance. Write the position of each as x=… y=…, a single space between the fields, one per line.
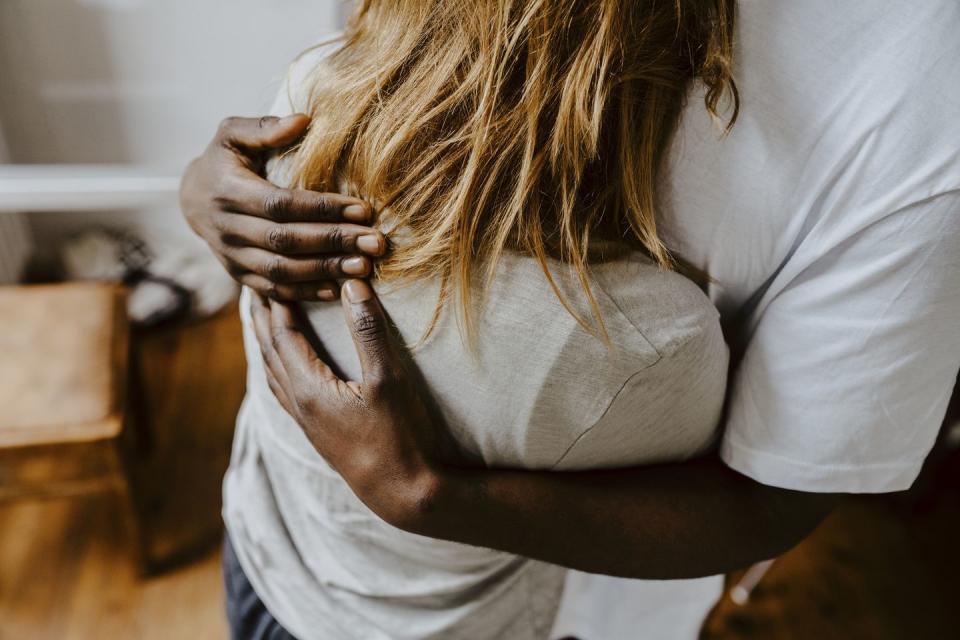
x=63 y=373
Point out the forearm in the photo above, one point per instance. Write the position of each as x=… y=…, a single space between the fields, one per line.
x=668 y=521
x=683 y=520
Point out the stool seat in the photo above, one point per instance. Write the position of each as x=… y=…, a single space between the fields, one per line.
x=63 y=363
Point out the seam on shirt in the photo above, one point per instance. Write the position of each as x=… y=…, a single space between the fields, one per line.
x=602 y=415
x=731 y=442
x=776 y=471
x=599 y=282
x=598 y=279
x=680 y=348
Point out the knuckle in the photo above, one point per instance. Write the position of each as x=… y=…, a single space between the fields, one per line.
x=368 y=327
x=276 y=268
x=276 y=204
x=325 y=205
x=280 y=238
x=327 y=267
x=336 y=239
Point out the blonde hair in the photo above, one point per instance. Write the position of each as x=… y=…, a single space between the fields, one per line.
x=531 y=125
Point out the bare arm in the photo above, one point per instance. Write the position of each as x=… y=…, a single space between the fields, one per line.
x=684 y=520
x=681 y=520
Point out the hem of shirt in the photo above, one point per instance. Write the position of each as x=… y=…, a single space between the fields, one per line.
x=234 y=529
x=797 y=475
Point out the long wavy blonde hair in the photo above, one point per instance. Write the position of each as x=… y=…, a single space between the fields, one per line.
x=532 y=125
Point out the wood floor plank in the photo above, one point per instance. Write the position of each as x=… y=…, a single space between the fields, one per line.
x=67 y=569
x=68 y=575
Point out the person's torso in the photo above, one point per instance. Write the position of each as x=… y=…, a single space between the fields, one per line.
x=533 y=384
x=848 y=113
x=832 y=132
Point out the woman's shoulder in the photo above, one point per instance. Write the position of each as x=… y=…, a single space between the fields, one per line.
x=648 y=313
x=667 y=308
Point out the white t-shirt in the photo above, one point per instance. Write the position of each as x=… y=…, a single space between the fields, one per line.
x=328 y=568
x=830 y=221
x=537 y=391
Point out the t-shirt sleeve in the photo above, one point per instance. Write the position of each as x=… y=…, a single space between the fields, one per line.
x=846 y=377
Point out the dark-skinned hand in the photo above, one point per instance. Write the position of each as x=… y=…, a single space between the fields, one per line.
x=286 y=244
x=377 y=432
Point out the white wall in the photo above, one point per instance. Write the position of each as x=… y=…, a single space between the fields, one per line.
x=143 y=82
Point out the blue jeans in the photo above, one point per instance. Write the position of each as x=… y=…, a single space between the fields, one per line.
x=246 y=614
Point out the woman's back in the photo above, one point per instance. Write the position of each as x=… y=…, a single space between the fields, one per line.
x=538 y=391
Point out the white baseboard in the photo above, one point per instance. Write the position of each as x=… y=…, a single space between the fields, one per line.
x=75 y=188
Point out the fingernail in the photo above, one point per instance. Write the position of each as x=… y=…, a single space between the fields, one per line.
x=327 y=294
x=357 y=290
x=356 y=213
x=370 y=244
x=355 y=266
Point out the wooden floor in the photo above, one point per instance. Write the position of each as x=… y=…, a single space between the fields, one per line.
x=66 y=574
x=67 y=567
x=879 y=568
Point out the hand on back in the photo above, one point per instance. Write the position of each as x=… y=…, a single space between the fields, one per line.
x=286 y=244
